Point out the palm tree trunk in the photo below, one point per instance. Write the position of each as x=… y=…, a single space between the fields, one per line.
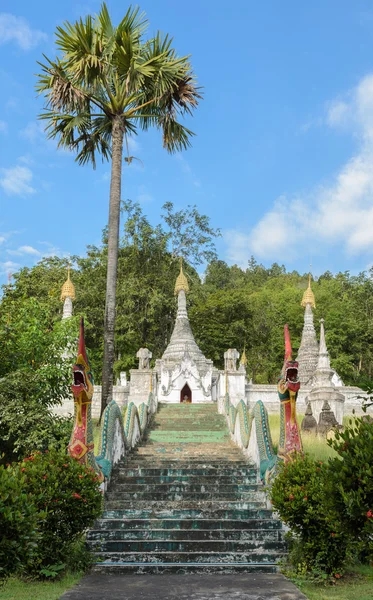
x=112 y=261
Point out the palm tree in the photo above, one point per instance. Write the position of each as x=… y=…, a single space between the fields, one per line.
x=106 y=84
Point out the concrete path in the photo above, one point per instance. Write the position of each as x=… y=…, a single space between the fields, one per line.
x=251 y=586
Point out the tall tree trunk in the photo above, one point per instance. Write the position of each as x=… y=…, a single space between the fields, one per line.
x=112 y=262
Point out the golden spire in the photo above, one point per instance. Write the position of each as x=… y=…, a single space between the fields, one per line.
x=243 y=360
x=181 y=281
x=68 y=289
x=308 y=296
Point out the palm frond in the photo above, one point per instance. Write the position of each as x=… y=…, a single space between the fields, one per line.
x=134 y=22
x=61 y=92
x=176 y=137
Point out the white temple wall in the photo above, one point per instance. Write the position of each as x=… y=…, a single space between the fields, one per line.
x=140 y=384
x=120 y=395
x=173 y=396
x=268 y=395
x=235 y=385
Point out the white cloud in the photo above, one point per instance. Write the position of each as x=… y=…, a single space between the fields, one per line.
x=16 y=181
x=29 y=250
x=2 y=239
x=8 y=267
x=33 y=132
x=337 y=113
x=16 y=29
x=26 y=160
x=337 y=213
x=3 y=127
x=22 y=250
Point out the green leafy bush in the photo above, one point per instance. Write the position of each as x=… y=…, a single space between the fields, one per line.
x=18 y=523
x=67 y=499
x=26 y=424
x=351 y=476
x=303 y=495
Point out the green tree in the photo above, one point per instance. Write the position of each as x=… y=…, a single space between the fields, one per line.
x=190 y=234
x=108 y=82
x=34 y=376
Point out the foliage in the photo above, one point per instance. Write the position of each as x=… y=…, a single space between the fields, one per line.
x=26 y=424
x=67 y=499
x=232 y=307
x=34 y=373
x=351 y=473
x=329 y=506
x=18 y=522
x=105 y=72
x=304 y=498
x=190 y=234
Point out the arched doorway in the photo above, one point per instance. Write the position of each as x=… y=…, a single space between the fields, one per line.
x=186 y=394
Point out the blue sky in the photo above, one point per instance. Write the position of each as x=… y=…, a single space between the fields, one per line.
x=283 y=158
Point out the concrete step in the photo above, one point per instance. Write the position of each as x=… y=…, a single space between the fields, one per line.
x=245 y=547
x=186 y=500
x=209 y=480
x=160 y=461
x=190 y=557
x=267 y=535
x=117 y=568
x=159 y=512
x=203 y=487
x=205 y=506
x=188 y=525
x=134 y=470
x=252 y=499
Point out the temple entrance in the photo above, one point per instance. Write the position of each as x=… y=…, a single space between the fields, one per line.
x=186 y=394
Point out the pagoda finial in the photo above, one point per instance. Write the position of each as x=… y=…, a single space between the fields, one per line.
x=181 y=282
x=68 y=288
x=243 y=360
x=308 y=296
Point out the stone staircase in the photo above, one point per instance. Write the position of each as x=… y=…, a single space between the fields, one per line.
x=186 y=500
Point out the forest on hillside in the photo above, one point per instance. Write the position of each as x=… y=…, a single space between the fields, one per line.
x=230 y=307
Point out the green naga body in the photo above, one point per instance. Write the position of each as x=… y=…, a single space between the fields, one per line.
x=118 y=434
x=241 y=421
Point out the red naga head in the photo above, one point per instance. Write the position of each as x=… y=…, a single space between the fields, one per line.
x=290 y=368
x=82 y=386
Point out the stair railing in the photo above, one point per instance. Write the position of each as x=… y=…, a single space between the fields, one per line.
x=121 y=433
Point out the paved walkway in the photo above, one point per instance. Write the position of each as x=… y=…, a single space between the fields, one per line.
x=251 y=586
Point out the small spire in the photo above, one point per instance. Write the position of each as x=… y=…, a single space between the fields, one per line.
x=181 y=282
x=243 y=360
x=308 y=296
x=68 y=288
x=322 y=348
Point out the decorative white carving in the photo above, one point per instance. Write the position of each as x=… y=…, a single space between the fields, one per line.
x=231 y=357
x=144 y=355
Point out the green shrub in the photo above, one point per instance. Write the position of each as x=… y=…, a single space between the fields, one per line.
x=351 y=475
x=67 y=498
x=26 y=423
x=18 y=523
x=303 y=496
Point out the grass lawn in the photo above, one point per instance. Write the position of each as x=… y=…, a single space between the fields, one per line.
x=356 y=586
x=314 y=446
x=96 y=435
x=15 y=589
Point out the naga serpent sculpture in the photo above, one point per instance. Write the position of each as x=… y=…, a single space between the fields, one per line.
x=240 y=421
x=118 y=434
